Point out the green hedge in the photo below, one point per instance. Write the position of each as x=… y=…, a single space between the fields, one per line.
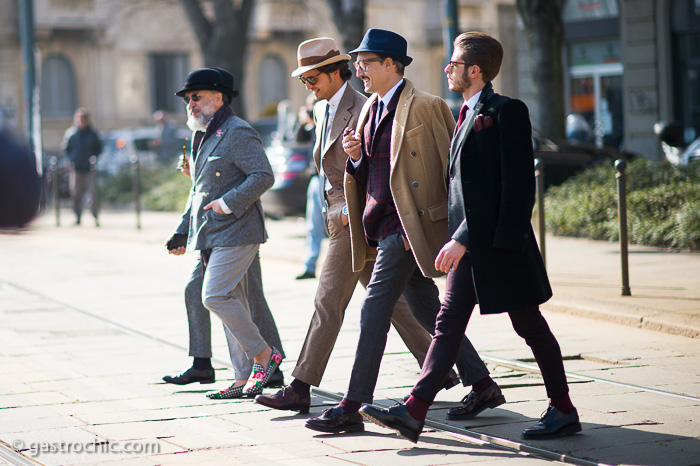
x=162 y=189
x=663 y=205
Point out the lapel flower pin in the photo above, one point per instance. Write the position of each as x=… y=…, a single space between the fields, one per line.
x=219 y=133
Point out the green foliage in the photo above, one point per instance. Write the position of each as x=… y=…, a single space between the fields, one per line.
x=663 y=205
x=160 y=188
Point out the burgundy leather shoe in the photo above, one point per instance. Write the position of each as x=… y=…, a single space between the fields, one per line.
x=334 y=420
x=286 y=399
x=475 y=403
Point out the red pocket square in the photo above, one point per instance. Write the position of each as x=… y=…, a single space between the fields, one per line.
x=482 y=122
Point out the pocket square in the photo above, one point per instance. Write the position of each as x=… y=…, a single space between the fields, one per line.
x=482 y=122
x=211 y=158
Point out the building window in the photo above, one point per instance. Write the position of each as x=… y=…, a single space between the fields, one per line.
x=685 y=47
x=57 y=87
x=273 y=83
x=167 y=72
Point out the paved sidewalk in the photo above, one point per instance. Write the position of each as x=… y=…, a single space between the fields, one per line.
x=90 y=320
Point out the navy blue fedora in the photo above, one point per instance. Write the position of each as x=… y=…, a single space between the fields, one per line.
x=386 y=43
x=211 y=79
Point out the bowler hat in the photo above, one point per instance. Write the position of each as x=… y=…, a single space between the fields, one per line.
x=386 y=43
x=211 y=79
x=315 y=53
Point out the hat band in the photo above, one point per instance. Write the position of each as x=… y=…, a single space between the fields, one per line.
x=306 y=61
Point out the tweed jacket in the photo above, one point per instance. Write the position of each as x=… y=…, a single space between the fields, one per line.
x=491 y=184
x=420 y=141
x=333 y=159
x=231 y=165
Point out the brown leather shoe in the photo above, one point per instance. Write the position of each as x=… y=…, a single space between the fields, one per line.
x=334 y=420
x=286 y=399
x=474 y=403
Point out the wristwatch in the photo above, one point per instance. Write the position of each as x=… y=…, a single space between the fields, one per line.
x=345 y=210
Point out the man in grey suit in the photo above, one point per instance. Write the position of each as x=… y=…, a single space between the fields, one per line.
x=224 y=221
x=325 y=72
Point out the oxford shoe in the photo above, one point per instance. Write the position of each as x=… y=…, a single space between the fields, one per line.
x=286 y=399
x=474 y=403
x=396 y=418
x=553 y=424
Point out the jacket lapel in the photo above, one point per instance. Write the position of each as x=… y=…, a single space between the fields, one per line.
x=465 y=130
x=208 y=147
x=403 y=107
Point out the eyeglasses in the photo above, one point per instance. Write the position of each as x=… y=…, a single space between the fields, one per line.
x=312 y=80
x=193 y=98
x=362 y=64
x=451 y=65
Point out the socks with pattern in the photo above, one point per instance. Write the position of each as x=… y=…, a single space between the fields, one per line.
x=417 y=408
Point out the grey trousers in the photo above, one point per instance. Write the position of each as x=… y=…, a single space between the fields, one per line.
x=83 y=183
x=396 y=272
x=199 y=318
x=336 y=285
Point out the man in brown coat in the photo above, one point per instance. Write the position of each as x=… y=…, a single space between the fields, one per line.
x=397 y=203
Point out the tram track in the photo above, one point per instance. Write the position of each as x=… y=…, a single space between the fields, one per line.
x=459 y=433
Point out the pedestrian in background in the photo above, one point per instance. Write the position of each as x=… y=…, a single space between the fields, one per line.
x=491 y=258
x=80 y=144
x=166 y=144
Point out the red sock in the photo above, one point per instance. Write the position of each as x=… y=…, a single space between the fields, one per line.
x=563 y=403
x=483 y=384
x=350 y=406
x=417 y=408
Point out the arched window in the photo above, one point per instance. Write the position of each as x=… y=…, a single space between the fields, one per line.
x=273 y=82
x=57 y=87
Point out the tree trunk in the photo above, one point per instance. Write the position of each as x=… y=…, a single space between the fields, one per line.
x=223 y=41
x=544 y=28
x=349 y=19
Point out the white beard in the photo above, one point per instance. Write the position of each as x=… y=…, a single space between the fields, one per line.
x=200 y=123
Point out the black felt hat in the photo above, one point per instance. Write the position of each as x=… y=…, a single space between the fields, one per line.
x=211 y=79
x=386 y=43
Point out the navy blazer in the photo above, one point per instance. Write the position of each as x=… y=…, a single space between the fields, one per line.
x=491 y=194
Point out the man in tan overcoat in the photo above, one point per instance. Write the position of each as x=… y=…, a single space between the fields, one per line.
x=397 y=203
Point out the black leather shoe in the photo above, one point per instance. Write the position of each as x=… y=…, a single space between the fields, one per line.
x=334 y=420
x=474 y=403
x=306 y=275
x=276 y=379
x=553 y=424
x=286 y=399
x=192 y=375
x=451 y=381
x=397 y=418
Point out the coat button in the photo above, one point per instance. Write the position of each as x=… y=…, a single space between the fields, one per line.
x=420 y=213
x=413 y=153
x=414 y=184
x=205 y=194
x=218 y=174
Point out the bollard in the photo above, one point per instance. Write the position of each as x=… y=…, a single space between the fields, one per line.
x=136 y=188
x=539 y=179
x=53 y=176
x=620 y=166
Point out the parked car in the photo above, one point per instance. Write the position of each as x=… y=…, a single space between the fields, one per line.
x=293 y=167
x=673 y=145
x=120 y=145
x=266 y=128
x=564 y=159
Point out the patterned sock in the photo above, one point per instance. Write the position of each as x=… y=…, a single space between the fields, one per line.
x=300 y=388
x=482 y=384
x=201 y=364
x=349 y=406
x=417 y=408
x=563 y=403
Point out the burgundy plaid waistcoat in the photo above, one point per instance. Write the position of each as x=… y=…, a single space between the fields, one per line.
x=380 y=218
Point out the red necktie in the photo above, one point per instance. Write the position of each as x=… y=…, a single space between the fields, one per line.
x=462 y=115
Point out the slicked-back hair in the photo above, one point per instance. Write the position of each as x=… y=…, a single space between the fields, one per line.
x=479 y=48
x=342 y=66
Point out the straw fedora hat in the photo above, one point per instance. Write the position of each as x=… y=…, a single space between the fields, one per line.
x=314 y=53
